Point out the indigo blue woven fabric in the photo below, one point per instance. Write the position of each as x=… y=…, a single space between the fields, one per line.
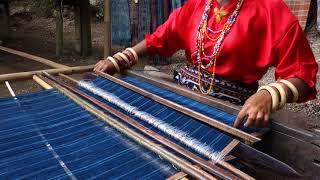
x=202 y=108
x=45 y=135
x=202 y=132
x=121 y=33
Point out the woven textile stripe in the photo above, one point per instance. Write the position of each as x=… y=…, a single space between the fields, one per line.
x=300 y=8
x=318 y=27
x=45 y=135
x=121 y=34
x=203 y=133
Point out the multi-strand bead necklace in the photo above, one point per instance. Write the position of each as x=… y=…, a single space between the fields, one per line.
x=202 y=31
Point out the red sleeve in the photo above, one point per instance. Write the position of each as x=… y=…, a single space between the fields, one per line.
x=294 y=58
x=165 y=40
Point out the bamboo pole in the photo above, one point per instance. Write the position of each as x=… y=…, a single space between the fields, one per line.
x=180 y=163
x=107 y=28
x=29 y=74
x=41 y=82
x=33 y=57
x=209 y=166
x=203 y=118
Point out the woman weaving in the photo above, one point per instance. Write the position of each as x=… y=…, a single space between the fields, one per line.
x=230 y=45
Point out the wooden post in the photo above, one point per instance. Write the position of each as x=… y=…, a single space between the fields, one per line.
x=4 y=20
x=86 y=27
x=77 y=28
x=59 y=31
x=83 y=27
x=108 y=28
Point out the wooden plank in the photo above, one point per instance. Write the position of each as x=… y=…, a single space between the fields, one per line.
x=236 y=171
x=178 y=176
x=29 y=74
x=298 y=151
x=229 y=147
x=33 y=57
x=177 y=161
x=205 y=119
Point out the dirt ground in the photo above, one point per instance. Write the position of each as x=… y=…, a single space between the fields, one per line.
x=36 y=35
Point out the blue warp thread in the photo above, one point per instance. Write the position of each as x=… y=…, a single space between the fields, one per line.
x=87 y=146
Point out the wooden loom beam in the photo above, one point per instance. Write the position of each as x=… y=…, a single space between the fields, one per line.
x=29 y=74
x=205 y=119
x=33 y=57
x=180 y=163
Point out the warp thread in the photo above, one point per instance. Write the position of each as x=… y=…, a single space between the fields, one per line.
x=170 y=130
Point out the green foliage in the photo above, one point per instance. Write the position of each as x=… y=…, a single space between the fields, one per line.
x=43 y=7
x=100 y=13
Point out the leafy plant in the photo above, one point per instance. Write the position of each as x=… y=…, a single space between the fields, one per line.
x=100 y=13
x=43 y=6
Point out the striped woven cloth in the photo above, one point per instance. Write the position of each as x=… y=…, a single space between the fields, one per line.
x=318 y=27
x=300 y=8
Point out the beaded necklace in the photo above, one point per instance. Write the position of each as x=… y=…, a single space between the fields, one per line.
x=202 y=30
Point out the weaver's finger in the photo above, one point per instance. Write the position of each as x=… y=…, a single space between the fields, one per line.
x=251 y=118
x=100 y=68
x=96 y=68
x=104 y=68
x=266 y=119
x=260 y=120
x=240 y=117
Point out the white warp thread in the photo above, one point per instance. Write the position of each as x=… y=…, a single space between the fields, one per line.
x=172 y=131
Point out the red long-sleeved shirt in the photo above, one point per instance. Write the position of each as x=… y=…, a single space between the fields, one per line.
x=265 y=34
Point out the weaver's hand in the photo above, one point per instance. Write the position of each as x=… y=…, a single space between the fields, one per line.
x=105 y=66
x=257 y=108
